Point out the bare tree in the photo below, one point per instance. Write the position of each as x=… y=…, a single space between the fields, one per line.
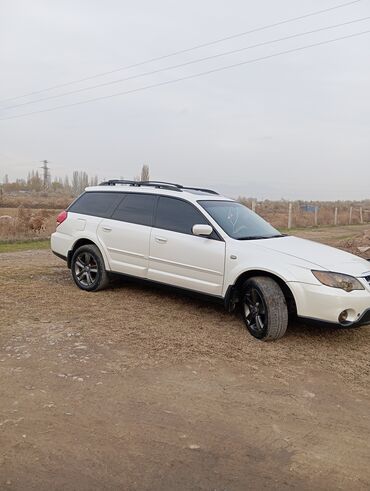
x=75 y=183
x=66 y=184
x=145 y=173
x=94 y=181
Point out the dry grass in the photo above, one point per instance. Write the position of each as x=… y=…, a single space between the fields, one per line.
x=26 y=223
x=30 y=216
x=35 y=200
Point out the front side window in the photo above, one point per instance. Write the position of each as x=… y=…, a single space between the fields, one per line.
x=97 y=203
x=177 y=215
x=238 y=221
x=136 y=208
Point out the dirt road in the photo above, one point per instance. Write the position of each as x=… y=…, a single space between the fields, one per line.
x=136 y=388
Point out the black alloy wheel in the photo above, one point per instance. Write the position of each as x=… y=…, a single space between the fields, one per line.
x=264 y=308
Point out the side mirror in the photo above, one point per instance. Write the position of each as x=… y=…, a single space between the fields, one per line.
x=205 y=230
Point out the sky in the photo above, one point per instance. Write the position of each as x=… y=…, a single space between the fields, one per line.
x=294 y=126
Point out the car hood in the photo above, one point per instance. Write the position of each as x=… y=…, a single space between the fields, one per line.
x=318 y=255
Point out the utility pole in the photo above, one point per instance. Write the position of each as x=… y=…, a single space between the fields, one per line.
x=46 y=173
x=316 y=215
x=290 y=210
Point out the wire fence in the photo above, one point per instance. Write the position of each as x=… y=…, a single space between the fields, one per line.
x=284 y=214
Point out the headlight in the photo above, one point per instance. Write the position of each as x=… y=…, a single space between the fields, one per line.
x=338 y=280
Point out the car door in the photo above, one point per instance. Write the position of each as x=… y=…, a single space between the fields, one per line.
x=178 y=257
x=125 y=235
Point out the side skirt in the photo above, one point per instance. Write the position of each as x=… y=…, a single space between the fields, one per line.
x=171 y=288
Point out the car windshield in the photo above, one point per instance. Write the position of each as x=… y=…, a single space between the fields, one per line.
x=238 y=221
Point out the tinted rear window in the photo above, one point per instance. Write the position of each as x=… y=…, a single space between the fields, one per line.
x=136 y=208
x=100 y=204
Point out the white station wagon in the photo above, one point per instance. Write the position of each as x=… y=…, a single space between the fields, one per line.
x=197 y=240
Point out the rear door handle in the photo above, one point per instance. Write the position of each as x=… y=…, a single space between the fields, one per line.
x=161 y=240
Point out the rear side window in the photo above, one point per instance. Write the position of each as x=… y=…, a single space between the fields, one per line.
x=100 y=204
x=178 y=216
x=136 y=208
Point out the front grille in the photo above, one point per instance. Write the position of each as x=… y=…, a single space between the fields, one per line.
x=367 y=278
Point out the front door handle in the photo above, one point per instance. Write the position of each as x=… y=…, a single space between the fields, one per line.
x=107 y=229
x=161 y=240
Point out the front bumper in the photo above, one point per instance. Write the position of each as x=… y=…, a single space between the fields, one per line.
x=363 y=320
x=323 y=303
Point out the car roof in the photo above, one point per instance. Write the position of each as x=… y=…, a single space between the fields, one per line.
x=189 y=194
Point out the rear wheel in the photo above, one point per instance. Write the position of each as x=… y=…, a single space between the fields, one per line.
x=264 y=308
x=88 y=268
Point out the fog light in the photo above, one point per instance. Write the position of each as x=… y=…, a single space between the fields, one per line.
x=343 y=316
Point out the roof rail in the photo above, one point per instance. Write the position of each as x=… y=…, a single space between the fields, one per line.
x=180 y=186
x=157 y=184
x=113 y=182
x=161 y=185
x=154 y=183
x=204 y=190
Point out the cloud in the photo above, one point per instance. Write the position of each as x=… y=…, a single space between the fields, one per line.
x=294 y=126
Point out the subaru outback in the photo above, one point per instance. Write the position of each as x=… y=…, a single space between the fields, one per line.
x=198 y=240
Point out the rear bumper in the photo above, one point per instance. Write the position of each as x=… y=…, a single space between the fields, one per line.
x=59 y=255
x=61 y=246
x=61 y=243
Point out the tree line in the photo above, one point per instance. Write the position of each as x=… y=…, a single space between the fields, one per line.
x=35 y=182
x=74 y=185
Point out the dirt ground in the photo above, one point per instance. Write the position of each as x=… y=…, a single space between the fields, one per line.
x=140 y=388
x=351 y=238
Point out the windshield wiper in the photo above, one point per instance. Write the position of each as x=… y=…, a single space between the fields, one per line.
x=257 y=237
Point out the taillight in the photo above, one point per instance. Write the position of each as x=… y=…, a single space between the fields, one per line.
x=61 y=217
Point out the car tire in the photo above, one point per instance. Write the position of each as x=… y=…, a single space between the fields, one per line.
x=88 y=269
x=264 y=308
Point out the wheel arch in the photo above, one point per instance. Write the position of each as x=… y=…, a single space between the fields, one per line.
x=79 y=243
x=233 y=293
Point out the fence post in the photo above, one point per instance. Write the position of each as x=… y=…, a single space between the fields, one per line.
x=253 y=205
x=361 y=216
x=290 y=215
x=336 y=216
x=316 y=215
x=350 y=214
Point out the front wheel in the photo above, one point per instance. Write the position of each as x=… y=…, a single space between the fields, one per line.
x=264 y=308
x=88 y=268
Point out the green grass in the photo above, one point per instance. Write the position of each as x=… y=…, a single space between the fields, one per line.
x=24 y=245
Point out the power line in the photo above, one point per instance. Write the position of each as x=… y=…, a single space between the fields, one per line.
x=188 y=77
x=186 y=50
x=180 y=65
